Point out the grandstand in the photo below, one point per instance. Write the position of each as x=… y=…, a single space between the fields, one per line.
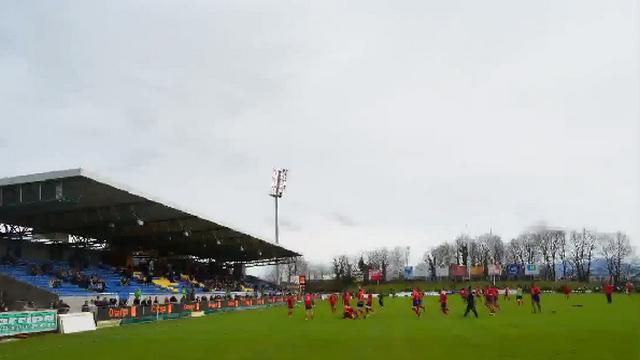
x=73 y=234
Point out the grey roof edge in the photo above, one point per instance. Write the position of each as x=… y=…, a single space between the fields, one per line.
x=60 y=174
x=42 y=176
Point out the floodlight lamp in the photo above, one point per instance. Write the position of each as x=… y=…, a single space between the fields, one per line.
x=279 y=182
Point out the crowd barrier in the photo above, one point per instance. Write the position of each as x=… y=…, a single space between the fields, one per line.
x=26 y=322
x=175 y=310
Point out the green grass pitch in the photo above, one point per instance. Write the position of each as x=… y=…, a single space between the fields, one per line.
x=594 y=331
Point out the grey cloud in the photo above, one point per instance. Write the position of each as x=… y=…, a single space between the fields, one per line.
x=418 y=118
x=343 y=220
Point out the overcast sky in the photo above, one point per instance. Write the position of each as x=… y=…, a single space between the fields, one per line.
x=402 y=122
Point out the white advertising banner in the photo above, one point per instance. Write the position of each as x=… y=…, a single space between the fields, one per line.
x=494 y=269
x=442 y=271
x=79 y=322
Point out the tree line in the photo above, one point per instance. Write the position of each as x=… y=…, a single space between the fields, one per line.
x=561 y=254
x=572 y=252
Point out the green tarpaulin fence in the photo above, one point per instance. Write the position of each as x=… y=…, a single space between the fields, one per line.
x=24 y=322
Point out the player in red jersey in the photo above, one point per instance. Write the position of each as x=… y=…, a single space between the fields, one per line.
x=369 y=303
x=444 y=299
x=463 y=294
x=333 y=299
x=629 y=287
x=291 y=302
x=416 y=296
x=535 y=298
x=479 y=294
x=349 y=313
x=566 y=290
x=360 y=304
x=487 y=298
x=308 y=307
x=608 y=290
x=346 y=298
x=507 y=293
x=496 y=296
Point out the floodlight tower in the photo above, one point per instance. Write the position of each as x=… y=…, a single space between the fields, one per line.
x=278 y=184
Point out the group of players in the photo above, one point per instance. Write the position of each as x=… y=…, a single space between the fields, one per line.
x=364 y=304
x=489 y=295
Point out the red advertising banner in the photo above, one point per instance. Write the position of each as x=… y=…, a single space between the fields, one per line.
x=458 y=270
x=375 y=275
x=162 y=308
x=217 y=304
x=126 y=312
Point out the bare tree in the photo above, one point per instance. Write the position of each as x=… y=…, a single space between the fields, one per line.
x=515 y=252
x=295 y=268
x=378 y=259
x=549 y=242
x=462 y=249
x=442 y=255
x=582 y=246
x=338 y=271
x=384 y=261
x=561 y=248
x=615 y=248
x=429 y=258
x=397 y=258
x=496 y=249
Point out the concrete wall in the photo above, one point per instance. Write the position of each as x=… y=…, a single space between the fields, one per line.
x=16 y=294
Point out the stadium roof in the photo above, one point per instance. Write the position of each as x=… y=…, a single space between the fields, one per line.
x=82 y=204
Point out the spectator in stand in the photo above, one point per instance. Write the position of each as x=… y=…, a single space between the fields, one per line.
x=173 y=299
x=85 y=307
x=136 y=301
x=54 y=283
x=166 y=300
x=155 y=301
x=62 y=307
